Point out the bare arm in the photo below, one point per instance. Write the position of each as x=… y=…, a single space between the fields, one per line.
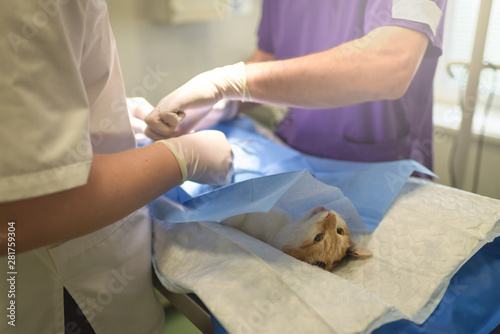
x=257 y=57
x=118 y=184
x=377 y=66
x=260 y=56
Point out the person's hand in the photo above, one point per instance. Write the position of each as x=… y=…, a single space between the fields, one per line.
x=223 y=110
x=203 y=156
x=138 y=108
x=180 y=111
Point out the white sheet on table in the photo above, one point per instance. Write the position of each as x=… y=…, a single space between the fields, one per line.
x=426 y=236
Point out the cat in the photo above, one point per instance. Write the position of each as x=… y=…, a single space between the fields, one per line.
x=320 y=238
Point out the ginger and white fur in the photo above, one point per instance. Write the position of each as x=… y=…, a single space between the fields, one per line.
x=320 y=238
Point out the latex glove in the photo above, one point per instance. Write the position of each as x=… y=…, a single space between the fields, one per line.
x=180 y=111
x=223 y=110
x=203 y=156
x=138 y=108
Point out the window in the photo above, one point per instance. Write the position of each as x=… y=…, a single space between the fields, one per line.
x=460 y=30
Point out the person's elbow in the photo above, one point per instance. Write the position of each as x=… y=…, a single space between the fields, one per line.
x=398 y=72
x=396 y=56
x=396 y=83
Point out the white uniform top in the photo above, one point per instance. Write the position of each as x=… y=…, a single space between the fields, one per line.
x=62 y=99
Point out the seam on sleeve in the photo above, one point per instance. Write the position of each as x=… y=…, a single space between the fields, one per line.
x=422 y=11
x=44 y=182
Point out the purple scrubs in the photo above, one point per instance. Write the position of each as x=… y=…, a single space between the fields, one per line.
x=372 y=131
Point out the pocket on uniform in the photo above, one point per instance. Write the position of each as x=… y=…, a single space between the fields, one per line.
x=391 y=150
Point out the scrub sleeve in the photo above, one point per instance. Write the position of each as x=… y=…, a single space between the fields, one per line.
x=373 y=131
x=63 y=99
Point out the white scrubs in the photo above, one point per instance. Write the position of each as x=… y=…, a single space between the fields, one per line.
x=62 y=99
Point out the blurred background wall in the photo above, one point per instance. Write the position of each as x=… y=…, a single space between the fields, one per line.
x=177 y=52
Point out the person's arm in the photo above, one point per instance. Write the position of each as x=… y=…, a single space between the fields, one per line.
x=377 y=66
x=260 y=56
x=118 y=184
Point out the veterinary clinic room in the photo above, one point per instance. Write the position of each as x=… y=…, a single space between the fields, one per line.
x=250 y=166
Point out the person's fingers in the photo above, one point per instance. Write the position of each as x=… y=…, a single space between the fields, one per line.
x=150 y=133
x=162 y=124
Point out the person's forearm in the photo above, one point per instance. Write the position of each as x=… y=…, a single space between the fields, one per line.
x=257 y=57
x=377 y=66
x=118 y=184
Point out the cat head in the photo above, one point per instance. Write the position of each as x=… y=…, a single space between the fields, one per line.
x=321 y=238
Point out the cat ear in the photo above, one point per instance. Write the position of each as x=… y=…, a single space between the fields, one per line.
x=359 y=251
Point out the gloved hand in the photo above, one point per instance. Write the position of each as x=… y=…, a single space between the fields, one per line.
x=203 y=156
x=180 y=111
x=223 y=110
x=138 y=108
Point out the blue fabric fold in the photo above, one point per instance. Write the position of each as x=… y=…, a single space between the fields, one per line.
x=371 y=187
x=294 y=192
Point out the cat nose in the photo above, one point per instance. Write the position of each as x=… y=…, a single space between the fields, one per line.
x=331 y=218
